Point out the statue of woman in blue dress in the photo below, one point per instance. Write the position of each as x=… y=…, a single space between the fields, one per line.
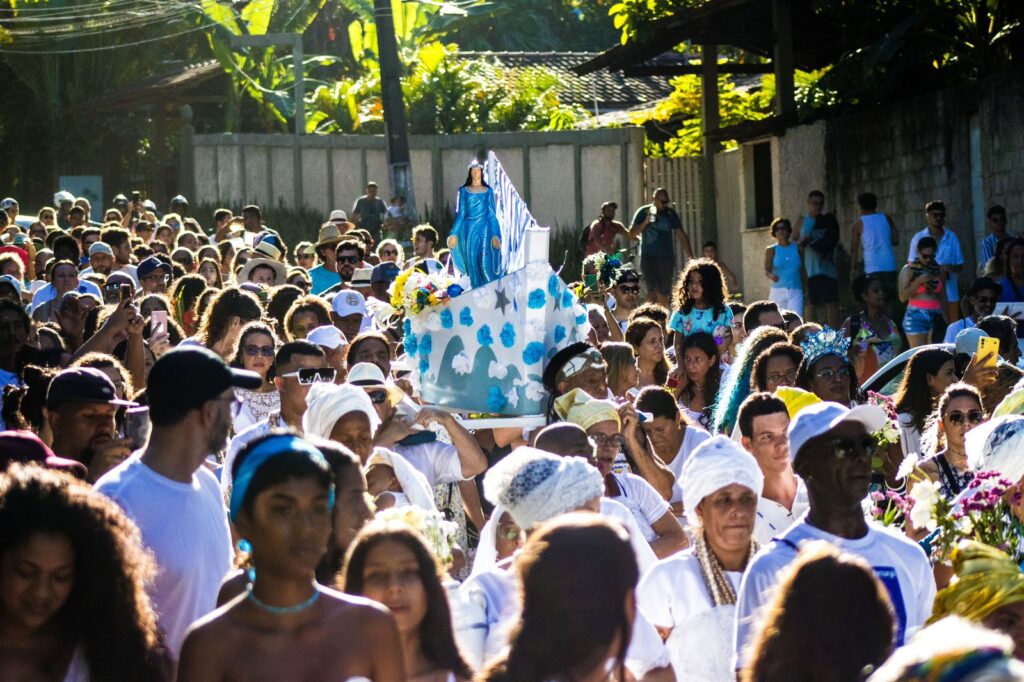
x=475 y=239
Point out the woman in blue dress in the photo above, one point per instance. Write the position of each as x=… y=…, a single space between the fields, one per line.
x=475 y=239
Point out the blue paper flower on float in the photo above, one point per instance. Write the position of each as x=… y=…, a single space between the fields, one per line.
x=495 y=400
x=407 y=327
x=466 y=317
x=424 y=365
x=580 y=319
x=426 y=345
x=411 y=344
x=553 y=285
x=566 y=298
x=536 y=299
x=446 y=319
x=454 y=290
x=559 y=333
x=533 y=352
x=483 y=335
x=508 y=335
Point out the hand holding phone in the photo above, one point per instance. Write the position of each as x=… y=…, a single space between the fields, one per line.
x=157 y=323
x=988 y=351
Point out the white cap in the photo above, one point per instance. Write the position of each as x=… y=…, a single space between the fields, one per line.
x=101 y=247
x=347 y=302
x=338 y=216
x=63 y=195
x=8 y=202
x=13 y=281
x=967 y=340
x=816 y=419
x=327 y=336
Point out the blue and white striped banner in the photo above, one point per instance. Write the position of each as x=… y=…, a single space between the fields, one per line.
x=513 y=215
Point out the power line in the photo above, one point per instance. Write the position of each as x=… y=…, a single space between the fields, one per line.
x=101 y=48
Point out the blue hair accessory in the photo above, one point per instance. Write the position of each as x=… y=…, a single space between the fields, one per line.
x=826 y=342
x=271 y=447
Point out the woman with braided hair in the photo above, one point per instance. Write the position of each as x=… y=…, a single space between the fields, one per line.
x=691 y=596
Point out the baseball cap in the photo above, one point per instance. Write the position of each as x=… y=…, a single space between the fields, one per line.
x=82 y=385
x=967 y=340
x=347 y=302
x=150 y=265
x=63 y=196
x=191 y=376
x=611 y=204
x=816 y=419
x=13 y=281
x=385 y=272
x=150 y=205
x=339 y=216
x=7 y=202
x=101 y=247
x=26 y=447
x=327 y=336
x=627 y=275
x=179 y=199
x=362 y=277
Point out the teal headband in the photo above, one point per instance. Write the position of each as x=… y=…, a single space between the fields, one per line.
x=271 y=447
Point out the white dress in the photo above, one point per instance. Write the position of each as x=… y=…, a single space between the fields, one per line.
x=672 y=595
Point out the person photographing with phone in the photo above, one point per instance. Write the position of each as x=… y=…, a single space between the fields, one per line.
x=922 y=287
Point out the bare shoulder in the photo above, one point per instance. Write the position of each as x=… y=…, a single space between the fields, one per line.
x=217 y=623
x=346 y=606
x=211 y=642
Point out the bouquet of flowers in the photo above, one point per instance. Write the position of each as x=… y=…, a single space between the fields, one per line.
x=890 y=433
x=888 y=508
x=414 y=290
x=431 y=524
x=983 y=512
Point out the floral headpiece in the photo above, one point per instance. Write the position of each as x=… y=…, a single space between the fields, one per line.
x=608 y=267
x=826 y=342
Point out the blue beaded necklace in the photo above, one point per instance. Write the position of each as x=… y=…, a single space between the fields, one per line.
x=281 y=610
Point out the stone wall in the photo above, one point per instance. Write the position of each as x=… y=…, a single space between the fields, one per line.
x=563 y=176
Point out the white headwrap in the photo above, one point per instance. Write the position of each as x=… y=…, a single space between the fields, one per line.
x=997 y=445
x=414 y=483
x=714 y=464
x=327 y=403
x=535 y=486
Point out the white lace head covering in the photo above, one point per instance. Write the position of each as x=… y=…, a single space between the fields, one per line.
x=327 y=403
x=714 y=464
x=414 y=483
x=535 y=486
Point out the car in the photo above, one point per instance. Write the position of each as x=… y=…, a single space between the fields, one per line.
x=887 y=379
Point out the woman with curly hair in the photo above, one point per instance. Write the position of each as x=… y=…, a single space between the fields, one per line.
x=702 y=374
x=306 y=314
x=700 y=303
x=285 y=625
x=257 y=348
x=229 y=311
x=73 y=604
x=184 y=295
x=390 y=563
x=648 y=341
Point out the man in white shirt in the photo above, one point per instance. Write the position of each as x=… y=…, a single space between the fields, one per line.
x=831 y=447
x=763 y=421
x=174 y=500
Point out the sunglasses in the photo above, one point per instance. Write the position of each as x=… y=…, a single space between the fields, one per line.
x=847 y=448
x=591 y=359
x=252 y=350
x=378 y=397
x=629 y=290
x=348 y=259
x=389 y=253
x=312 y=375
x=973 y=417
x=829 y=374
x=304 y=256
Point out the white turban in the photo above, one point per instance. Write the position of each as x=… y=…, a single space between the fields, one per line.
x=535 y=486
x=998 y=445
x=713 y=465
x=414 y=483
x=327 y=403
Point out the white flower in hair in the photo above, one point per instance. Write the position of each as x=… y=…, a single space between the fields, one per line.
x=826 y=342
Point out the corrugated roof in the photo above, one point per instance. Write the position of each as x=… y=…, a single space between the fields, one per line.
x=610 y=90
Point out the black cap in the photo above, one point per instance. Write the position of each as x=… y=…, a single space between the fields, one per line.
x=627 y=275
x=82 y=385
x=558 y=361
x=150 y=265
x=385 y=272
x=190 y=376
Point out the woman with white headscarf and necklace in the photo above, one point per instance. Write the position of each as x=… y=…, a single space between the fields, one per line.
x=691 y=596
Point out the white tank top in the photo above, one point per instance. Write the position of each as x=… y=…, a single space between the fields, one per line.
x=876 y=239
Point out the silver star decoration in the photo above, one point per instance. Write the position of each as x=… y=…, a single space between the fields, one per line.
x=502 y=301
x=558 y=300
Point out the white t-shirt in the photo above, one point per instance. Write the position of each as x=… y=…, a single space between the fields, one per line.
x=773 y=518
x=645 y=556
x=185 y=526
x=672 y=595
x=899 y=563
x=693 y=437
x=243 y=438
x=438 y=461
x=643 y=501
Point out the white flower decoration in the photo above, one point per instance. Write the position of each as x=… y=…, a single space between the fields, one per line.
x=535 y=391
x=925 y=494
x=433 y=322
x=461 y=363
x=513 y=397
x=496 y=370
x=907 y=465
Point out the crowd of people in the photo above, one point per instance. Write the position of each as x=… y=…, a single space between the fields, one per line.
x=216 y=464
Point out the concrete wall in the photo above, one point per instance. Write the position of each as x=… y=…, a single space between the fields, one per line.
x=563 y=176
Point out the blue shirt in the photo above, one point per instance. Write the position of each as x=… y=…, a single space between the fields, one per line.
x=321 y=279
x=656 y=239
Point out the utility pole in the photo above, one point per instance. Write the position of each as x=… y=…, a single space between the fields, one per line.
x=395 y=129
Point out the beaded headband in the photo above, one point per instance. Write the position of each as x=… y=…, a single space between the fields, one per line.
x=826 y=342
